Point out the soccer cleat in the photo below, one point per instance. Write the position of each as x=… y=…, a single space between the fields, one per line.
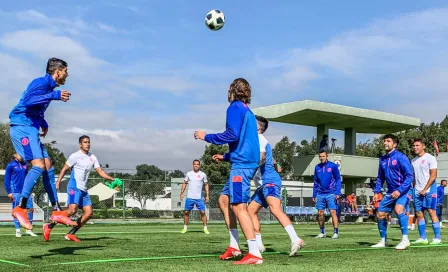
x=30 y=233
x=230 y=253
x=321 y=235
x=335 y=236
x=62 y=218
x=296 y=246
x=403 y=245
x=183 y=231
x=249 y=259
x=261 y=248
x=206 y=231
x=46 y=232
x=380 y=245
x=420 y=241
x=435 y=242
x=18 y=234
x=72 y=237
x=22 y=216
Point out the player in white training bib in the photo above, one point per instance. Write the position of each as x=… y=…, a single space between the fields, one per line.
x=80 y=163
x=425 y=172
x=195 y=180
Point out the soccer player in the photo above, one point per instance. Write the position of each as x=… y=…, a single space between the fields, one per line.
x=26 y=119
x=196 y=180
x=244 y=156
x=425 y=198
x=269 y=193
x=394 y=168
x=326 y=191
x=440 y=196
x=80 y=163
x=14 y=177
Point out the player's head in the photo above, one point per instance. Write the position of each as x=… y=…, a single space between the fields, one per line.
x=196 y=165
x=443 y=182
x=17 y=157
x=390 y=142
x=418 y=145
x=57 y=68
x=240 y=90
x=325 y=136
x=323 y=156
x=262 y=124
x=353 y=193
x=84 y=143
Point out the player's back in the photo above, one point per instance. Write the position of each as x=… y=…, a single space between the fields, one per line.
x=267 y=171
x=26 y=113
x=195 y=180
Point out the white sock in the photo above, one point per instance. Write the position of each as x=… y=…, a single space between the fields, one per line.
x=440 y=223
x=185 y=226
x=234 y=240
x=383 y=240
x=258 y=239
x=205 y=227
x=253 y=248
x=292 y=233
x=405 y=237
x=413 y=226
x=18 y=230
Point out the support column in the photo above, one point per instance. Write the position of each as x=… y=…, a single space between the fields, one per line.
x=321 y=130
x=350 y=141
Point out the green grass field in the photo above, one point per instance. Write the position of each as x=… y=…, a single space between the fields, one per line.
x=137 y=247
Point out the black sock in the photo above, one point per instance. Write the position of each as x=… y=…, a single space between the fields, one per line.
x=51 y=225
x=75 y=229
x=56 y=206
x=23 y=202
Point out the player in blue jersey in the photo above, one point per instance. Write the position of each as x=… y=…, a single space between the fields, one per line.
x=425 y=194
x=244 y=156
x=395 y=169
x=26 y=120
x=326 y=191
x=440 y=196
x=14 y=177
x=269 y=193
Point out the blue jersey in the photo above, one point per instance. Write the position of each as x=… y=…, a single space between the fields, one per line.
x=34 y=101
x=15 y=177
x=395 y=168
x=241 y=136
x=327 y=179
x=440 y=194
x=267 y=170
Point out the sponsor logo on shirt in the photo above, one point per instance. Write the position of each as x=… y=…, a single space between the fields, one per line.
x=237 y=179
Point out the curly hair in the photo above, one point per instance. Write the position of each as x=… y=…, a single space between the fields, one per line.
x=240 y=90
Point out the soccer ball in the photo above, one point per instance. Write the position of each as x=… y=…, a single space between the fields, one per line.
x=215 y=20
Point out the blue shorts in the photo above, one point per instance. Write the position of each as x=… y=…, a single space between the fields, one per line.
x=16 y=201
x=421 y=203
x=327 y=201
x=238 y=185
x=264 y=191
x=388 y=204
x=190 y=203
x=78 y=197
x=27 y=143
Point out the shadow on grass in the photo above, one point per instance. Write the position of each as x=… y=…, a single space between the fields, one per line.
x=66 y=251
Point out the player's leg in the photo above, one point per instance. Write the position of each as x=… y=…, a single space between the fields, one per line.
x=15 y=203
x=400 y=206
x=382 y=216
x=30 y=212
x=431 y=205
x=253 y=209
x=189 y=205
x=421 y=222
x=87 y=212
x=439 y=210
x=229 y=218
x=320 y=206
x=332 y=206
x=200 y=204
x=239 y=196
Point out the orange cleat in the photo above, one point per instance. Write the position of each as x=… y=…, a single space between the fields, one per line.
x=72 y=237
x=62 y=218
x=46 y=232
x=22 y=216
x=230 y=253
x=249 y=259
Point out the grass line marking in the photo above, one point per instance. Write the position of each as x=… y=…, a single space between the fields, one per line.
x=215 y=255
x=13 y=263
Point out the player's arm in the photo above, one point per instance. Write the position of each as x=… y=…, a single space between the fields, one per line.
x=379 y=182
x=62 y=174
x=184 y=186
x=100 y=170
x=7 y=178
x=36 y=95
x=408 y=174
x=234 y=123
x=207 y=190
x=315 y=185
x=337 y=177
x=432 y=173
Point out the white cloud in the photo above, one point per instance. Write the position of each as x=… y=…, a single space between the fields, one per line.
x=98 y=132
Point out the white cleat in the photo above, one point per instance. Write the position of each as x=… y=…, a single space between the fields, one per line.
x=403 y=245
x=296 y=246
x=380 y=245
x=321 y=235
x=436 y=242
x=335 y=236
x=261 y=248
x=30 y=233
x=18 y=234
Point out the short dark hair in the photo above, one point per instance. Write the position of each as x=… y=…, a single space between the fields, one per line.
x=323 y=151
x=442 y=181
x=240 y=90
x=262 y=122
x=197 y=161
x=55 y=64
x=419 y=140
x=325 y=136
x=391 y=136
x=83 y=137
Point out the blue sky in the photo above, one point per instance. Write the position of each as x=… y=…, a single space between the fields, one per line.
x=145 y=74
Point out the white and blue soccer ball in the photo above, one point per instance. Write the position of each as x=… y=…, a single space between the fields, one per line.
x=215 y=20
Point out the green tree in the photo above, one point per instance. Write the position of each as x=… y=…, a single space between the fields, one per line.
x=176 y=174
x=149 y=172
x=217 y=173
x=6 y=147
x=283 y=153
x=142 y=191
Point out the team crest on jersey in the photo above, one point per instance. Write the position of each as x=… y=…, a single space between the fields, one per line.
x=329 y=170
x=199 y=176
x=25 y=141
x=423 y=161
x=72 y=192
x=91 y=159
x=394 y=162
